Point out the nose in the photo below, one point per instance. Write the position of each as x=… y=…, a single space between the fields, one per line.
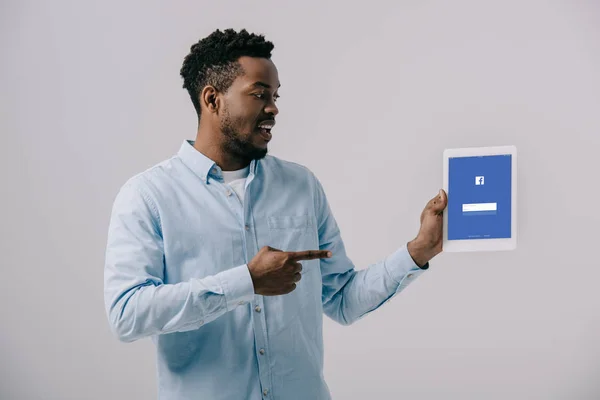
x=271 y=108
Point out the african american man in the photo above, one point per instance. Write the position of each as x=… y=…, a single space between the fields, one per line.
x=227 y=258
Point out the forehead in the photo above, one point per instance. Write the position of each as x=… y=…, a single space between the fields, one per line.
x=257 y=70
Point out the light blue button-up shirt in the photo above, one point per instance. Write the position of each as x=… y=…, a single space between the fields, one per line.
x=176 y=271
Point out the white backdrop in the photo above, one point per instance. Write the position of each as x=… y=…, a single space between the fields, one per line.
x=372 y=93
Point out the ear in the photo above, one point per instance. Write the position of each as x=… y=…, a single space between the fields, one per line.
x=209 y=99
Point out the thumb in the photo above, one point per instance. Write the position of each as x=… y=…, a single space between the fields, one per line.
x=439 y=202
x=269 y=248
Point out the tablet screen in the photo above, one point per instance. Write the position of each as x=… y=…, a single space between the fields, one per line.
x=479 y=197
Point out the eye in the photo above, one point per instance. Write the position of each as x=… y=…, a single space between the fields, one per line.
x=262 y=96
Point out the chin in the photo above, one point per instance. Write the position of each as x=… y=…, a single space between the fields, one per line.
x=254 y=153
x=259 y=150
x=248 y=148
x=260 y=153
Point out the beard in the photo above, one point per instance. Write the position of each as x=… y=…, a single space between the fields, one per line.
x=236 y=143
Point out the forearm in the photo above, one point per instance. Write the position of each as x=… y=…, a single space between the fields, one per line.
x=154 y=308
x=366 y=290
x=349 y=295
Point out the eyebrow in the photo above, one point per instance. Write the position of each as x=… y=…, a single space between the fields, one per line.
x=262 y=84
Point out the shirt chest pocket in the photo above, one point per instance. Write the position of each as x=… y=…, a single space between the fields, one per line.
x=295 y=233
x=291 y=232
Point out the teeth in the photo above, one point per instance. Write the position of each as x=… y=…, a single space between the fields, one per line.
x=266 y=125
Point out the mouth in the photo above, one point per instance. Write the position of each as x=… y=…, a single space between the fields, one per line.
x=264 y=129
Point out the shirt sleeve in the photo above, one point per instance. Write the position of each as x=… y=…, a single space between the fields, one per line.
x=138 y=303
x=348 y=295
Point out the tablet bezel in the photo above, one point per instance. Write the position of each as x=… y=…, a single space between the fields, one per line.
x=465 y=245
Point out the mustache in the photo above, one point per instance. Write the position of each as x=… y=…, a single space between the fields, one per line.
x=266 y=119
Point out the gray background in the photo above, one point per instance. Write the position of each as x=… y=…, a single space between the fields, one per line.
x=372 y=93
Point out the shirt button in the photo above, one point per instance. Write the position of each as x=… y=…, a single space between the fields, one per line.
x=266 y=392
x=247 y=227
x=257 y=308
x=262 y=351
x=228 y=193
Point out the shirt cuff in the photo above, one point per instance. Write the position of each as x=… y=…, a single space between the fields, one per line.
x=237 y=286
x=400 y=265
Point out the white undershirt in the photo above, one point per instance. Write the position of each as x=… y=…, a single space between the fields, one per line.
x=237 y=181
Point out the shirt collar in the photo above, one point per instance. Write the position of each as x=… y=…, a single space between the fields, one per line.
x=203 y=166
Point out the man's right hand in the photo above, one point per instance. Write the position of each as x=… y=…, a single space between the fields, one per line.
x=275 y=272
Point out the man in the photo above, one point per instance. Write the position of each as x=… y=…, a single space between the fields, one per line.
x=228 y=257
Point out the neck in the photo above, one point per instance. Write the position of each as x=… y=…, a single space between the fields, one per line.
x=208 y=142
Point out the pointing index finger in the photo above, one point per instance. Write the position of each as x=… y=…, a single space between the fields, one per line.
x=309 y=254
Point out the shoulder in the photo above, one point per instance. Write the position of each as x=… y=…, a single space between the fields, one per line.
x=148 y=183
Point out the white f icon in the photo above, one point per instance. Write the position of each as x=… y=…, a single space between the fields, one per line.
x=479 y=180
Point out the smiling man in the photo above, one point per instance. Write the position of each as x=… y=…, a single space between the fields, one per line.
x=228 y=257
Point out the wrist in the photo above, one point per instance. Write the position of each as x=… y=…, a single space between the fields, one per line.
x=419 y=252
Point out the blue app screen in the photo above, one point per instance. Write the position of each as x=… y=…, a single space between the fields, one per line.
x=479 y=197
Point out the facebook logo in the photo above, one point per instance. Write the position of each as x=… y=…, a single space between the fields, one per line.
x=479 y=180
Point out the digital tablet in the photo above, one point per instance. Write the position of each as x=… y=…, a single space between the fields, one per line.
x=481 y=184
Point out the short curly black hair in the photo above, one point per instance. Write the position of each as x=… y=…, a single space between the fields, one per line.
x=214 y=60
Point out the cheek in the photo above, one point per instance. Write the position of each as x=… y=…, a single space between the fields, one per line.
x=243 y=116
x=247 y=123
x=239 y=123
